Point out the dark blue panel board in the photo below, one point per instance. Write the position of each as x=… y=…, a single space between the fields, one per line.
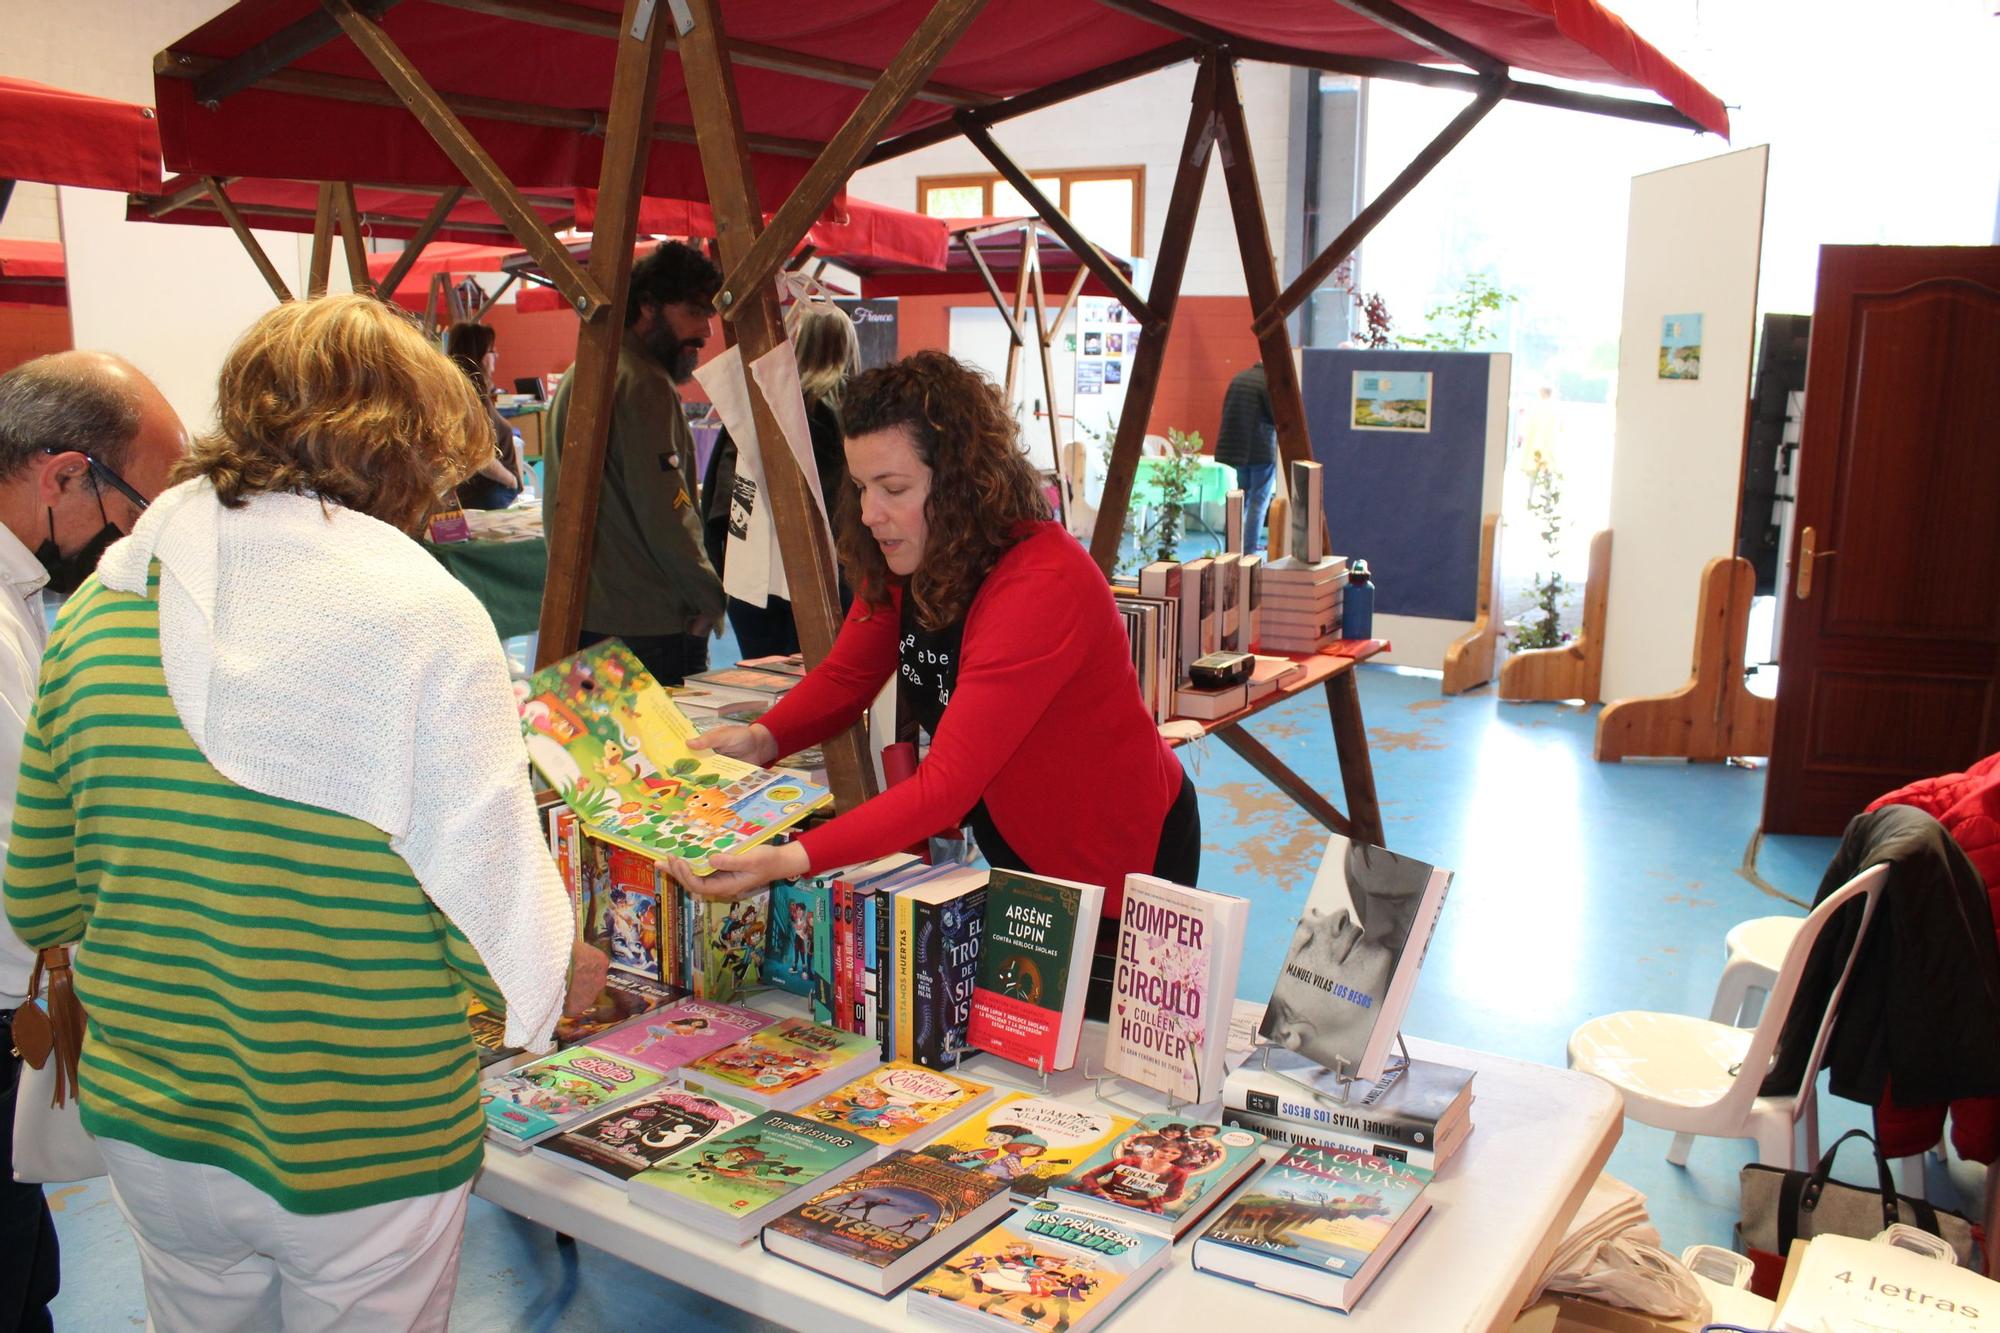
x=1407 y=502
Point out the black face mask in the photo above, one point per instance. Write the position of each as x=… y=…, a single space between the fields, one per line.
x=67 y=572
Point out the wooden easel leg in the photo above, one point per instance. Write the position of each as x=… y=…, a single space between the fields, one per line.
x=1275 y=771
x=1350 y=746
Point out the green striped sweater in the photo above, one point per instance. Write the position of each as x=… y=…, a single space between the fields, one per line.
x=269 y=990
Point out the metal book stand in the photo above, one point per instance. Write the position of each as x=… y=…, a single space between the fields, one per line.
x=1391 y=1071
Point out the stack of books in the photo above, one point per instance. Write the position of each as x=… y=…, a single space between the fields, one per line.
x=1300 y=610
x=1417 y=1113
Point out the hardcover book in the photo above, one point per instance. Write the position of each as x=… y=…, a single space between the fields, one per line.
x=1029 y=1141
x=625 y=997
x=730 y=938
x=784 y=1066
x=544 y=1096
x=603 y=733
x=1412 y=1106
x=900 y=1104
x=1166 y=1172
x=635 y=1137
x=1179 y=952
x=888 y=1222
x=680 y=1034
x=1318 y=1225
x=797 y=907
x=733 y=1183
x=1352 y=965
x=948 y=932
x=1034 y=968
x=1291 y=1133
x=632 y=913
x=1046 y=1266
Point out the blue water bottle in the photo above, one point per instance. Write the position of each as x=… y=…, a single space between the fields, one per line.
x=1357 y=604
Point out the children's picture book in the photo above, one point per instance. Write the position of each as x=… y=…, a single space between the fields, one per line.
x=1179 y=952
x=679 y=1034
x=1318 y=1225
x=1167 y=1171
x=1352 y=965
x=534 y=1100
x=632 y=914
x=733 y=1183
x=796 y=909
x=604 y=734
x=786 y=1065
x=622 y=1142
x=1047 y=1266
x=625 y=997
x=1034 y=968
x=732 y=935
x=1029 y=1141
x=900 y=1104
x=888 y=1222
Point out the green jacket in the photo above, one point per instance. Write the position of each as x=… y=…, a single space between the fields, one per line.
x=650 y=574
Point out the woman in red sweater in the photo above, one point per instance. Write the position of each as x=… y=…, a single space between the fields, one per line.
x=1009 y=647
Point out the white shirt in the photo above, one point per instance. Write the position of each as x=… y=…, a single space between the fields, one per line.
x=24 y=632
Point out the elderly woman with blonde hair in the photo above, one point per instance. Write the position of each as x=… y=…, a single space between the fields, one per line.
x=275 y=786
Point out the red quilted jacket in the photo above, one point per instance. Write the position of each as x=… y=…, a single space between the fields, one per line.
x=1968 y=805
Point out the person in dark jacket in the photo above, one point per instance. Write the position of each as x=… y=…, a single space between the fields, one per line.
x=1248 y=442
x=496 y=484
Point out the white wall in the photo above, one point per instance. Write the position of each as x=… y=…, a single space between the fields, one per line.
x=1693 y=247
x=1140 y=122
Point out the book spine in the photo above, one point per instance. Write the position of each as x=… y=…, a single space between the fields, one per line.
x=857 y=984
x=822 y=952
x=871 y=970
x=1274 y=1099
x=843 y=952
x=926 y=1044
x=1292 y=1133
x=885 y=975
x=905 y=944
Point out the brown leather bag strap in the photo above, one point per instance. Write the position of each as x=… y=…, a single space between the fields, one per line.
x=66 y=1019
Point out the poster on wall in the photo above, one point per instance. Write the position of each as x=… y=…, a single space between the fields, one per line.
x=875 y=325
x=1398 y=400
x=1680 y=347
x=1090 y=377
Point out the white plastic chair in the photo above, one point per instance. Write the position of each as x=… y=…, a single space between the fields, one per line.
x=1699 y=1076
x=1753 y=951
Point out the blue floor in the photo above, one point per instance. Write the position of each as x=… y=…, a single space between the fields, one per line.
x=1581 y=888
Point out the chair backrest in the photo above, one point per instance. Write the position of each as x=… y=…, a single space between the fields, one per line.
x=1867 y=888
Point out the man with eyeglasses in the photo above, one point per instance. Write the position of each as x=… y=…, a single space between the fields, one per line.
x=650 y=580
x=85 y=442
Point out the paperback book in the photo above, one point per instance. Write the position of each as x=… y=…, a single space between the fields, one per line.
x=797 y=908
x=1027 y=1005
x=1046 y=1266
x=1412 y=1107
x=1165 y=1173
x=545 y=1096
x=622 y=1142
x=1179 y=952
x=1352 y=965
x=680 y=1034
x=489 y=1034
x=625 y=996
x=899 y=1105
x=603 y=733
x=947 y=935
x=730 y=942
x=1318 y=1225
x=1298 y=1133
x=1029 y=1141
x=888 y=1222
x=784 y=1066
x=735 y=1182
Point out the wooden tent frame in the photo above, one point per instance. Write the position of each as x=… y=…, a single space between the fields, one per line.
x=752 y=253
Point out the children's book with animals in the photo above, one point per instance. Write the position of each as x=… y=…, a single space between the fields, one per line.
x=1318 y=1225
x=1165 y=1173
x=604 y=734
x=1027 y=1005
x=670 y=1038
x=900 y=1104
x=622 y=1142
x=735 y=1182
x=784 y=1066
x=1179 y=952
x=888 y=1222
x=544 y=1096
x=1047 y=1266
x=1029 y=1141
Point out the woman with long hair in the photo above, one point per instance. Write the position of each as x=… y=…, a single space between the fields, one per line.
x=495 y=485
x=829 y=355
x=1012 y=649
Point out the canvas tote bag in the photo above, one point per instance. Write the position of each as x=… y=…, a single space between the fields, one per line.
x=50 y=1142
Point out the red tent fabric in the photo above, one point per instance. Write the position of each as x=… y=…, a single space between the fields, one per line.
x=858 y=235
x=448 y=257
x=32 y=273
x=1000 y=246
x=65 y=138
x=1014 y=46
x=288 y=205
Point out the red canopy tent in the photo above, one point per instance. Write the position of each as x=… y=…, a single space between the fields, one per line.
x=66 y=138
x=32 y=273
x=392 y=213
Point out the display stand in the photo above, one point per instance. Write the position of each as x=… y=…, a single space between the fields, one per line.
x=1468 y=662
x=1394 y=1069
x=1575 y=670
x=1713 y=716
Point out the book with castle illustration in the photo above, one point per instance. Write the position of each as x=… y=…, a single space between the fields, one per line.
x=1352 y=965
x=604 y=734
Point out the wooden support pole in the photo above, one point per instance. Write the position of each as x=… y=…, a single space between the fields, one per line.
x=583 y=293
x=178 y=193
x=1106 y=271
x=1421 y=31
x=931 y=42
x=290 y=43
x=1355 y=232
x=1176 y=237
x=1017 y=325
x=413 y=249
x=351 y=237
x=992 y=284
x=236 y=223
x=1044 y=337
x=802 y=541
x=321 y=262
x=572 y=532
x=1069 y=301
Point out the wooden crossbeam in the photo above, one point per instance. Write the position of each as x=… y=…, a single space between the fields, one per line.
x=282 y=48
x=930 y=43
x=1017 y=321
x=218 y=193
x=178 y=193
x=486 y=306
x=992 y=284
x=414 y=247
x=1415 y=28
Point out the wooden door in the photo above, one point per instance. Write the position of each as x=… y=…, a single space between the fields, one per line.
x=1889 y=665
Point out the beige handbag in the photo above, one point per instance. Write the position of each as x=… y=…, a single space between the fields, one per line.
x=50 y=1142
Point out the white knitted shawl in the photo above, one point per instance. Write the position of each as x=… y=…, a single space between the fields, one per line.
x=319 y=655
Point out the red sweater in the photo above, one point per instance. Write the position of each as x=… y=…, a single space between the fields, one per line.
x=1045 y=723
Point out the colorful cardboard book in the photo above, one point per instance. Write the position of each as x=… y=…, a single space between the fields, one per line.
x=888 y=1222
x=1352 y=965
x=1318 y=1225
x=677 y=1035
x=1029 y=1141
x=1046 y=1266
x=784 y=1066
x=1166 y=1172
x=899 y=1105
x=625 y=997
x=544 y=1096
x=735 y=1182
x=1034 y=969
x=1179 y=953
x=608 y=738
x=622 y=1142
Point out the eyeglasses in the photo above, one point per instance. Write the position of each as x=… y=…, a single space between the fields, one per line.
x=103 y=474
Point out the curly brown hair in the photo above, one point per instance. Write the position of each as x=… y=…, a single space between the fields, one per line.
x=343 y=398
x=982 y=488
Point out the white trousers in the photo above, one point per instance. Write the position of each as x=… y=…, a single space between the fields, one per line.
x=219 y=1255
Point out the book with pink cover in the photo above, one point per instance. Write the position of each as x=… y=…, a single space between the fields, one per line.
x=681 y=1033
